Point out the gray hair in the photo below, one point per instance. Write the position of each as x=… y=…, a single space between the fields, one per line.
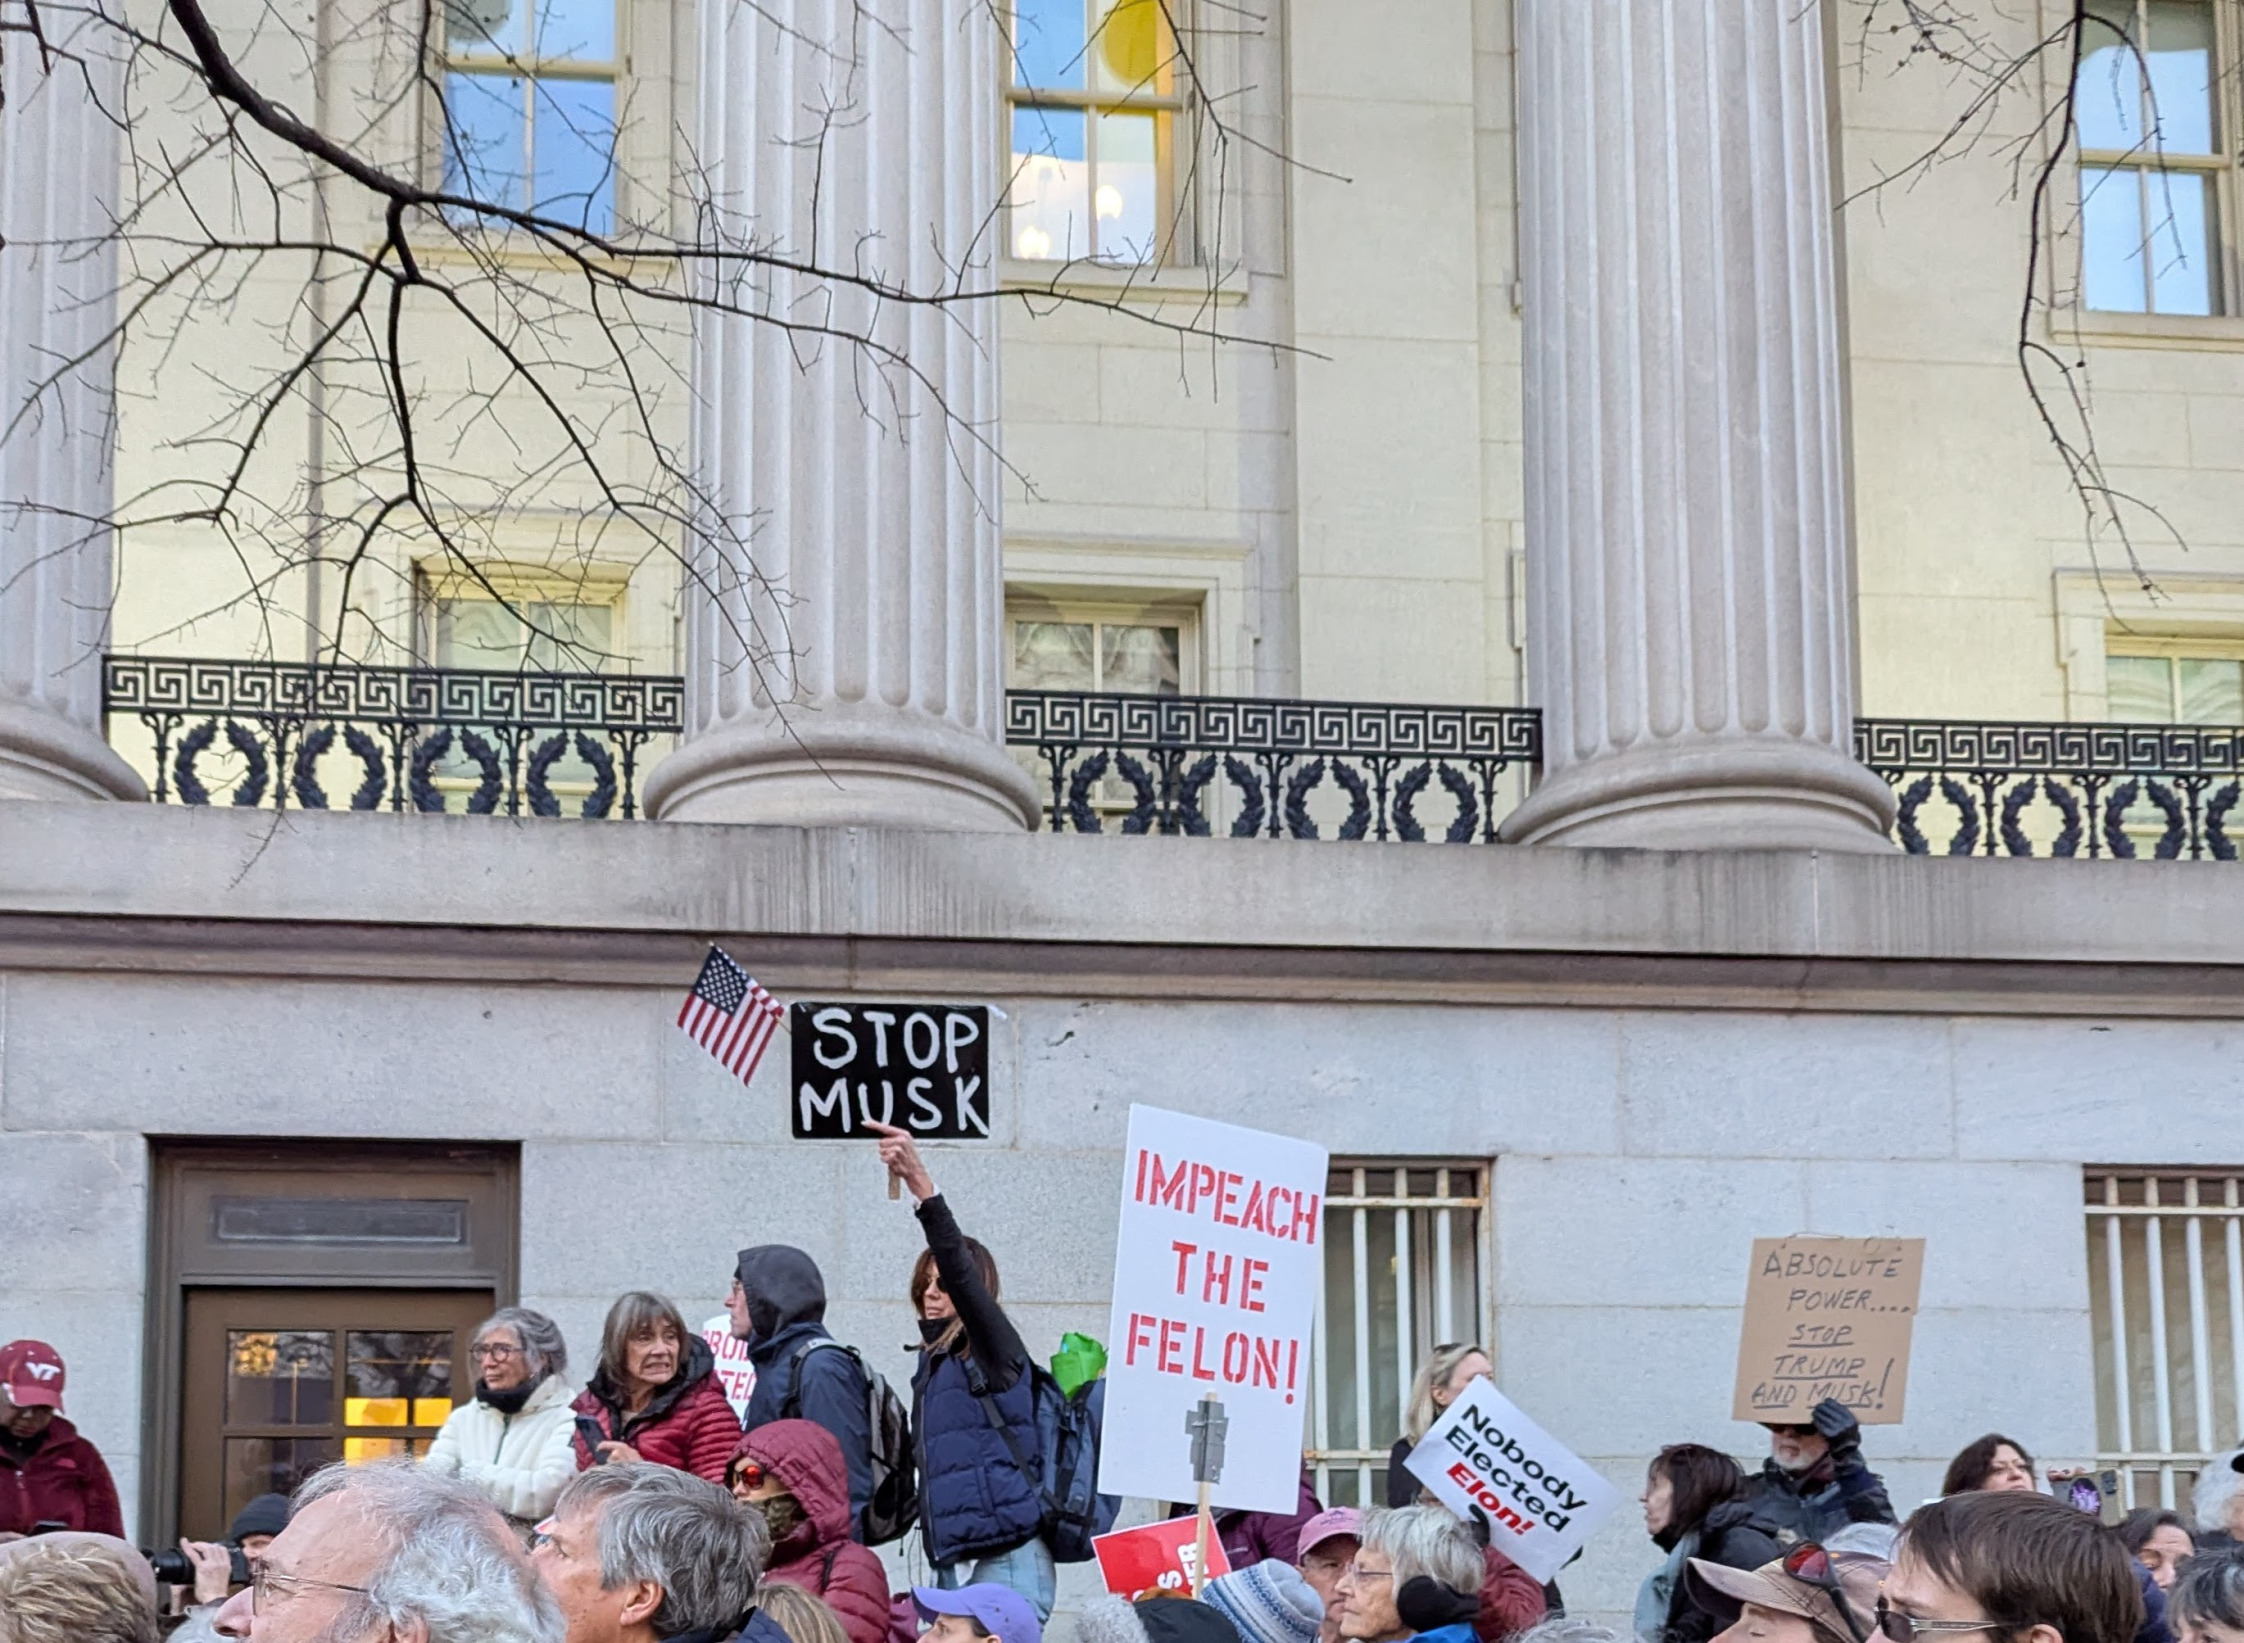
x=691 y=1538
x=1570 y=1629
x=1425 y=1540
x=543 y=1349
x=2218 y=1483
x=2209 y=1590
x=638 y=1313
x=451 y=1564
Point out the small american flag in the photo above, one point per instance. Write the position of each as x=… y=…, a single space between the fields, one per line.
x=730 y=1016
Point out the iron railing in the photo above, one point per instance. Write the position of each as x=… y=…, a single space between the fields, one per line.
x=2125 y=790
x=419 y=738
x=1258 y=766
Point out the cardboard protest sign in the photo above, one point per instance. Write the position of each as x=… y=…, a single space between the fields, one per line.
x=735 y=1373
x=1542 y=1501
x=1216 y=1273
x=1828 y=1318
x=1156 y=1558
x=921 y=1067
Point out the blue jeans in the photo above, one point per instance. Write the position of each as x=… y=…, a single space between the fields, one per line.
x=1027 y=1568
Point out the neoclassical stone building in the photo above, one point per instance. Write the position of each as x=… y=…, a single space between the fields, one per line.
x=1603 y=498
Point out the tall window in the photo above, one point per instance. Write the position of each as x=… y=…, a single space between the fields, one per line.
x=1093 y=105
x=530 y=106
x=2179 y=683
x=2166 y=1292
x=2155 y=177
x=1402 y=1276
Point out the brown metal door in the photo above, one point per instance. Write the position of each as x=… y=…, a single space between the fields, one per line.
x=279 y=1382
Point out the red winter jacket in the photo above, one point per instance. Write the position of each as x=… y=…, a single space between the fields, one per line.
x=817 y=1553
x=1511 y=1600
x=687 y=1424
x=63 y=1481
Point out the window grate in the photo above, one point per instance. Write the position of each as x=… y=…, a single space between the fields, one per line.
x=1404 y=1260
x=2166 y=1285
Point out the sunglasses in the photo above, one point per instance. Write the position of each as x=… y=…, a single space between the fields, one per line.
x=1906 y=1628
x=1810 y=1564
x=746 y=1474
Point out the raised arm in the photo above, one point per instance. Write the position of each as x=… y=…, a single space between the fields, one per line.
x=997 y=1346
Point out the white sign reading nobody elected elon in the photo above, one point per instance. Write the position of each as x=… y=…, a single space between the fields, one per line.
x=1216 y=1272
x=1541 y=1500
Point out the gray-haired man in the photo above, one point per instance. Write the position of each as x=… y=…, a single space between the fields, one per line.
x=392 y=1552
x=638 y=1553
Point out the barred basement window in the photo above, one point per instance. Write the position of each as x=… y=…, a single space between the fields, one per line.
x=2166 y=1287
x=1403 y=1274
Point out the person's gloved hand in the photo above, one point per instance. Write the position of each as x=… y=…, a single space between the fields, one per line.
x=1426 y=1605
x=1836 y=1422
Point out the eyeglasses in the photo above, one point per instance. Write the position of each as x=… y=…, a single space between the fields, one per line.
x=1356 y=1571
x=265 y=1584
x=1810 y=1564
x=494 y=1354
x=1907 y=1628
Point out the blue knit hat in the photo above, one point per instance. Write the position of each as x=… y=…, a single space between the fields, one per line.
x=1269 y=1603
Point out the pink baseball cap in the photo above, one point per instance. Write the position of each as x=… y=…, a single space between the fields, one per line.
x=31 y=1373
x=1338 y=1520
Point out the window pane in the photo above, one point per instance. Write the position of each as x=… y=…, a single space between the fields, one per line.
x=2139 y=689
x=1052 y=656
x=1048 y=43
x=485 y=138
x=280 y=1377
x=1129 y=224
x=1138 y=659
x=568 y=638
x=1051 y=183
x=574 y=149
x=484 y=26
x=2181 y=74
x=2212 y=690
x=2181 y=241
x=1134 y=51
x=390 y=1375
x=271 y=1466
x=477 y=633
x=2111 y=234
x=2108 y=99
x=581 y=29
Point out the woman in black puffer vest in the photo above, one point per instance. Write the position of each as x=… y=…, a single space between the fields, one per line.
x=981 y=1510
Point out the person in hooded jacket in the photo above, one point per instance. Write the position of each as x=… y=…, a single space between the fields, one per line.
x=655 y=1395
x=981 y=1512
x=1692 y=1510
x=1816 y=1482
x=513 y=1444
x=791 y=1473
x=777 y=1304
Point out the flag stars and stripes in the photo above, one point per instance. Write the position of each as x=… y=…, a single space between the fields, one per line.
x=729 y=1015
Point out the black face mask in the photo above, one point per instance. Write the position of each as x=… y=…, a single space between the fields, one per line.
x=509 y=1402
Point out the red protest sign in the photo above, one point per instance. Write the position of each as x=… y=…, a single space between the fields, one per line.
x=1154 y=1559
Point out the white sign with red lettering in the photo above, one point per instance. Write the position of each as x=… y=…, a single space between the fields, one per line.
x=1541 y=1500
x=734 y=1372
x=1216 y=1273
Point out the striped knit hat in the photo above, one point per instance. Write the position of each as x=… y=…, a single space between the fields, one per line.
x=1269 y=1603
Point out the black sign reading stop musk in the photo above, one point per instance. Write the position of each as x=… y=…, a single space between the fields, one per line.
x=921 y=1067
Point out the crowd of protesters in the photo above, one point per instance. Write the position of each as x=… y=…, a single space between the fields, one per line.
x=643 y=1509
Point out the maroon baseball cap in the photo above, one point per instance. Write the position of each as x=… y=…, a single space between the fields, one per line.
x=31 y=1374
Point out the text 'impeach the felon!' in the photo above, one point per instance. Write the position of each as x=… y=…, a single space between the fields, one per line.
x=1226 y=1197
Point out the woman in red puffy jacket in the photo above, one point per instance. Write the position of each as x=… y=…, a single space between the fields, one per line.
x=655 y=1396
x=791 y=1471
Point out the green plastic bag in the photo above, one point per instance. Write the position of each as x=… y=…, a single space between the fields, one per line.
x=1079 y=1361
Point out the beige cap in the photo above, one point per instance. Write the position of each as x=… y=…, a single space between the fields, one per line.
x=1769 y=1587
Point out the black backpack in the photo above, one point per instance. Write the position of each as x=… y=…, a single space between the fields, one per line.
x=894 y=1506
x=1065 y=1470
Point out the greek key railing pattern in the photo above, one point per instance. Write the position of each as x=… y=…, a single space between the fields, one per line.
x=1158 y=764
x=2124 y=790
x=410 y=737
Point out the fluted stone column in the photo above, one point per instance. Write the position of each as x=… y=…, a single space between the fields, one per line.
x=58 y=185
x=1690 y=635
x=869 y=474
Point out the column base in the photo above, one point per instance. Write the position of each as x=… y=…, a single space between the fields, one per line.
x=45 y=757
x=828 y=767
x=1729 y=795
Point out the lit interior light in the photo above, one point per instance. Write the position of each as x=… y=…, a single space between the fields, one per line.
x=1032 y=243
x=1108 y=201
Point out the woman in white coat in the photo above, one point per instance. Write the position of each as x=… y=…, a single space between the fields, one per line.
x=512 y=1442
